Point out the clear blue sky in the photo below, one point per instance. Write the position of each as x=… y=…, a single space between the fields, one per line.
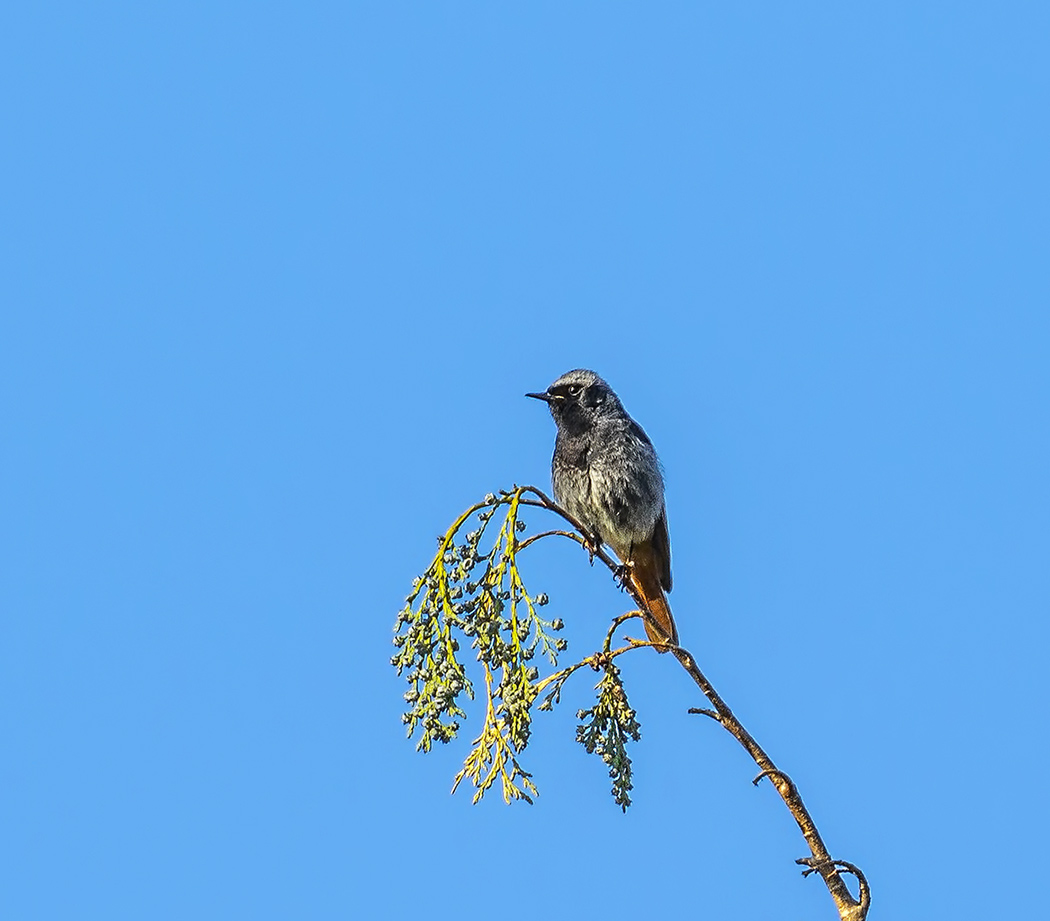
x=275 y=279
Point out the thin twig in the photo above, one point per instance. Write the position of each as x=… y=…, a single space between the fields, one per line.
x=616 y=623
x=572 y=535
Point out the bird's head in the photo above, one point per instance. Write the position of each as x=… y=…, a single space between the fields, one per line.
x=578 y=399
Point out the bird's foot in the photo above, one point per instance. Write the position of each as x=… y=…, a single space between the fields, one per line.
x=592 y=543
x=622 y=574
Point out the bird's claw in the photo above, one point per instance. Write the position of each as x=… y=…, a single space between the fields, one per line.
x=622 y=574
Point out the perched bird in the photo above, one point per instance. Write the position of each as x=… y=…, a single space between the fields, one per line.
x=606 y=475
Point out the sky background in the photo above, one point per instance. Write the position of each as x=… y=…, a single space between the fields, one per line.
x=275 y=280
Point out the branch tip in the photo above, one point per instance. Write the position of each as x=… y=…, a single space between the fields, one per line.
x=813 y=865
x=776 y=776
x=862 y=882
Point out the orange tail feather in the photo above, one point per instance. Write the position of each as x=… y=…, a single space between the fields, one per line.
x=645 y=574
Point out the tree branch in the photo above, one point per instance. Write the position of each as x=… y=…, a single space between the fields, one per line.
x=820 y=861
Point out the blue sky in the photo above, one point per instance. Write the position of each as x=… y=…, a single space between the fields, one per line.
x=276 y=279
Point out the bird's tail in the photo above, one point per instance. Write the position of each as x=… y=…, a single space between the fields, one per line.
x=645 y=574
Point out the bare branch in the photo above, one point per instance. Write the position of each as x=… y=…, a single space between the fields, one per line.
x=849 y=908
x=616 y=623
x=572 y=535
x=814 y=866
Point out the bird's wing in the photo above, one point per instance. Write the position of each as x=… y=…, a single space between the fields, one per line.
x=662 y=550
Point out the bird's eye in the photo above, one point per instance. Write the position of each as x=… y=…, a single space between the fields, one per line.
x=574 y=390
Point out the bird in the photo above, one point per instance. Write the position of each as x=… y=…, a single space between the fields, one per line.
x=606 y=475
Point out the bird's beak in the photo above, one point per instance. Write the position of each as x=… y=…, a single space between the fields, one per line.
x=546 y=397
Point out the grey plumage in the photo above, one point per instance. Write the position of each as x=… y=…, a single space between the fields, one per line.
x=606 y=474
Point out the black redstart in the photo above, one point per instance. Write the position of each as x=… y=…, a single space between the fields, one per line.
x=606 y=475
